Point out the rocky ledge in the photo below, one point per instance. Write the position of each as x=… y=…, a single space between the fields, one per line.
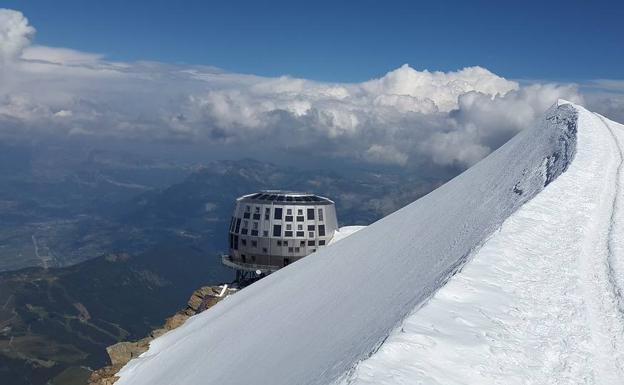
x=120 y=353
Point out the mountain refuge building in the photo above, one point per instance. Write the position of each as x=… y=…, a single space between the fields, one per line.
x=273 y=228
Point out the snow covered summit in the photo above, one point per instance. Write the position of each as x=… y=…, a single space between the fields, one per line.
x=539 y=301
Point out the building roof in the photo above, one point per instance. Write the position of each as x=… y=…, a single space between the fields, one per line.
x=285 y=197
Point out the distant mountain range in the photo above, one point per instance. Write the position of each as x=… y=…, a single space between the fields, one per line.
x=62 y=209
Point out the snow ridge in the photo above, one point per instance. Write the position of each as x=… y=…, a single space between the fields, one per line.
x=540 y=302
x=312 y=321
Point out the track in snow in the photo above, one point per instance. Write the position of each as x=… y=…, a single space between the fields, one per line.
x=610 y=261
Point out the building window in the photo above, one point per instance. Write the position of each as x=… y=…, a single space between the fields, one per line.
x=244 y=258
x=311 y=228
x=257 y=210
x=300 y=234
x=284 y=243
x=310 y=214
x=300 y=218
x=299 y=211
x=289 y=218
x=302 y=243
x=243 y=241
x=297 y=250
x=254 y=243
x=253 y=258
x=277 y=213
x=291 y=250
x=277 y=230
x=256 y=217
x=288 y=226
x=232 y=222
x=244 y=231
x=245 y=224
x=254 y=233
x=235 y=242
x=279 y=243
x=264 y=250
x=286 y=261
x=299 y=227
x=255 y=225
x=312 y=243
x=320 y=214
x=321 y=230
x=238 y=223
x=311 y=234
x=247 y=209
x=288 y=211
x=288 y=233
x=265 y=233
x=321 y=242
x=267 y=213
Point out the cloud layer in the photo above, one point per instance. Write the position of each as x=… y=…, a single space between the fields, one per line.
x=406 y=117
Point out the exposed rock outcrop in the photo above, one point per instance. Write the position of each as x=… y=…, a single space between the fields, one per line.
x=122 y=352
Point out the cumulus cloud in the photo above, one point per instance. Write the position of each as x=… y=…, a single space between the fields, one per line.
x=15 y=35
x=441 y=88
x=406 y=117
x=482 y=123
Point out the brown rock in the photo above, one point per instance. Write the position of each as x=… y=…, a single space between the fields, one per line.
x=122 y=352
x=175 y=321
x=104 y=376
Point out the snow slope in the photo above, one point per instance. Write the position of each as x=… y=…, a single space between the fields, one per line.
x=541 y=302
x=312 y=321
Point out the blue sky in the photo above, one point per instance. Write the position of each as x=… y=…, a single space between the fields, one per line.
x=345 y=41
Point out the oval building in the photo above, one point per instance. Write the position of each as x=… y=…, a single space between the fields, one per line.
x=271 y=229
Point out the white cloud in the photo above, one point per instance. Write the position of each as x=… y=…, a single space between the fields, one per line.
x=406 y=117
x=63 y=114
x=386 y=154
x=442 y=88
x=15 y=35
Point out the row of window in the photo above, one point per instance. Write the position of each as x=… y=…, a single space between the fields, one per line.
x=279 y=211
x=234 y=243
x=235 y=226
x=277 y=231
x=311 y=242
